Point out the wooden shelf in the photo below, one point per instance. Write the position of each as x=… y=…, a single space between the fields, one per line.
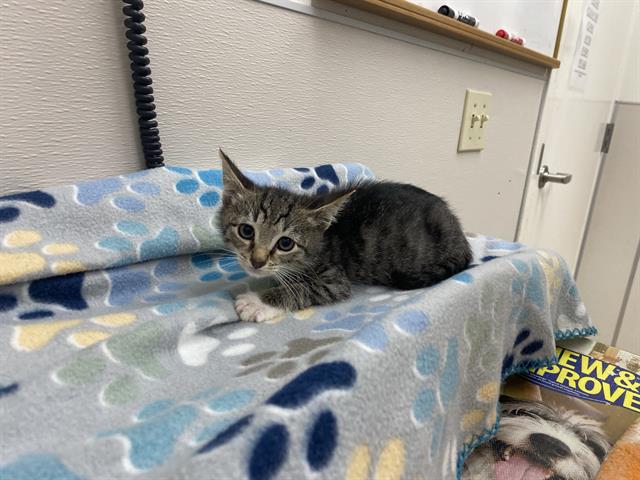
x=417 y=16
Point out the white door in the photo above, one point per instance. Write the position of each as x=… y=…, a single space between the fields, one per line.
x=608 y=261
x=572 y=124
x=629 y=333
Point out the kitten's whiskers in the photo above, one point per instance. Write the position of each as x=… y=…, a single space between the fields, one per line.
x=286 y=283
x=301 y=274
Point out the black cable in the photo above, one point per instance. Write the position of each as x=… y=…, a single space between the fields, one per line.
x=143 y=91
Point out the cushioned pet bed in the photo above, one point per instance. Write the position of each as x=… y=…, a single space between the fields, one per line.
x=121 y=355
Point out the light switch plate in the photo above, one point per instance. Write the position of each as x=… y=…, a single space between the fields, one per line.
x=475 y=119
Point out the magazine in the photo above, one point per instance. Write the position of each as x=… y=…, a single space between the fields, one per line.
x=576 y=420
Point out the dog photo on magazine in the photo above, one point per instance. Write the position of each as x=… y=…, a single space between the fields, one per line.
x=576 y=420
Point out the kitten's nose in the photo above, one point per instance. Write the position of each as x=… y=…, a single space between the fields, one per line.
x=259 y=257
x=258 y=263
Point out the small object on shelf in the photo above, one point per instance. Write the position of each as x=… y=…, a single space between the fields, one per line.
x=458 y=15
x=512 y=37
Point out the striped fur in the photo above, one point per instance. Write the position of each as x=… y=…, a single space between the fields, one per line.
x=375 y=233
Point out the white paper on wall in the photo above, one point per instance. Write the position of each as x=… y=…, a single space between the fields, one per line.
x=586 y=35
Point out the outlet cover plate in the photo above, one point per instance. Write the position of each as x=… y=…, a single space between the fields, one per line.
x=472 y=131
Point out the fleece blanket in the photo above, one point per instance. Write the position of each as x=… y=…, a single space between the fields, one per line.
x=121 y=355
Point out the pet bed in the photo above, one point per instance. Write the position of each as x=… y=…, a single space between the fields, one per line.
x=121 y=355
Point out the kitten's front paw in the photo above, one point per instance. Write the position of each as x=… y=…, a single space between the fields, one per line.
x=251 y=309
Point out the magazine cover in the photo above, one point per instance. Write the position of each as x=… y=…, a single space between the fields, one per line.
x=576 y=420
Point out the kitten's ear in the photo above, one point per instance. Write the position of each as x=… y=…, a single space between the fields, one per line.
x=329 y=207
x=232 y=178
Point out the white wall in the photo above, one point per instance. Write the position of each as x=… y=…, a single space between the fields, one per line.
x=272 y=86
x=629 y=90
x=65 y=95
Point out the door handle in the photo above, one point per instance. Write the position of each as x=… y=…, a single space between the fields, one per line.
x=544 y=176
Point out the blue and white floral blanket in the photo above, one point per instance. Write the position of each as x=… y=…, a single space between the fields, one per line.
x=121 y=355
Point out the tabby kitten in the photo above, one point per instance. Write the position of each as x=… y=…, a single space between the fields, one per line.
x=316 y=246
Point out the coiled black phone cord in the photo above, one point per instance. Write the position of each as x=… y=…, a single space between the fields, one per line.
x=143 y=91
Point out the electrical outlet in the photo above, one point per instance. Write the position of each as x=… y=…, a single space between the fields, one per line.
x=474 y=120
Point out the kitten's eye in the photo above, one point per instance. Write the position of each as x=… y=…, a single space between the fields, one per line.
x=246 y=231
x=285 y=244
